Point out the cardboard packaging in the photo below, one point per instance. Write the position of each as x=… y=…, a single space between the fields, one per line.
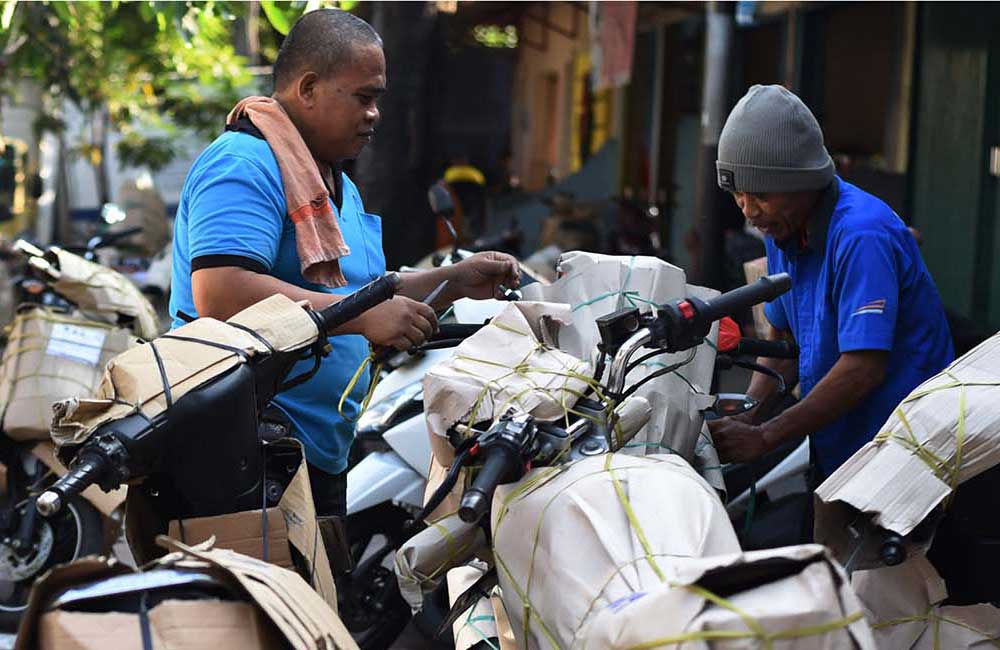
x=174 y=624
x=794 y=598
x=132 y=379
x=903 y=604
x=289 y=525
x=274 y=608
x=571 y=539
x=50 y=356
x=944 y=433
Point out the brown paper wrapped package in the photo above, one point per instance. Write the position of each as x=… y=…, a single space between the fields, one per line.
x=102 y=293
x=422 y=561
x=51 y=356
x=944 y=433
x=132 y=380
x=794 y=598
x=571 y=539
x=595 y=285
x=504 y=365
x=903 y=605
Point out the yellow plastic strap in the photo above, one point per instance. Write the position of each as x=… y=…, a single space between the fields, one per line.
x=936 y=620
x=632 y=519
x=354 y=382
x=522 y=490
x=766 y=638
x=942 y=469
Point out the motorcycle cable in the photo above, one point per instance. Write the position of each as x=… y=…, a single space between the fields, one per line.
x=628 y=392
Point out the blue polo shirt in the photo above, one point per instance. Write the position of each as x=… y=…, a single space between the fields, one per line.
x=232 y=212
x=859 y=283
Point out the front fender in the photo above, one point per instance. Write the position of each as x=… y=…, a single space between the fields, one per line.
x=382 y=477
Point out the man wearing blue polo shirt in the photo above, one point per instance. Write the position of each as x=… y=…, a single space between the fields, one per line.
x=862 y=309
x=234 y=243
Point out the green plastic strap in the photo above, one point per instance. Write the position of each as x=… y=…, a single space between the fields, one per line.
x=471 y=621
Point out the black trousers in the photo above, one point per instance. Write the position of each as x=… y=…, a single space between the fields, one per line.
x=329 y=492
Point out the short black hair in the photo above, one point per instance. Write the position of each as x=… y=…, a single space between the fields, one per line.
x=323 y=41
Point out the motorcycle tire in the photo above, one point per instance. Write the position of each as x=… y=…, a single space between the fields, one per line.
x=371 y=606
x=76 y=532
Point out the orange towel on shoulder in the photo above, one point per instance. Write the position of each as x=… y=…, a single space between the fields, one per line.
x=319 y=242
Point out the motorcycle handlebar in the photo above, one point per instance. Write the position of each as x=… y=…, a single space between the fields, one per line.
x=733 y=302
x=107 y=239
x=500 y=461
x=772 y=349
x=83 y=474
x=368 y=296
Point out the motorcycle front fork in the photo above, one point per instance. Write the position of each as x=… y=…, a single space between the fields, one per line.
x=18 y=530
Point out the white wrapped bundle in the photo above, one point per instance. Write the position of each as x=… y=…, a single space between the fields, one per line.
x=595 y=285
x=944 y=433
x=572 y=539
x=794 y=598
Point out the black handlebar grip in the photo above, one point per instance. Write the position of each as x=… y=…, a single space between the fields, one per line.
x=83 y=474
x=501 y=461
x=447 y=331
x=368 y=296
x=772 y=349
x=112 y=237
x=733 y=302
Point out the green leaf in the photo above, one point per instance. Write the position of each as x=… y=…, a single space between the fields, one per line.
x=278 y=18
x=8 y=14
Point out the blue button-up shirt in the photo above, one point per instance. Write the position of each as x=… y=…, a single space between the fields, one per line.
x=859 y=283
x=233 y=204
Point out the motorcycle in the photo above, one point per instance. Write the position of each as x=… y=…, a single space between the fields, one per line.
x=54 y=307
x=390 y=459
x=596 y=426
x=203 y=452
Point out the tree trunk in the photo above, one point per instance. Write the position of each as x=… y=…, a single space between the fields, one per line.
x=100 y=123
x=395 y=170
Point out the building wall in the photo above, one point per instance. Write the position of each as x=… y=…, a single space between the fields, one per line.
x=543 y=91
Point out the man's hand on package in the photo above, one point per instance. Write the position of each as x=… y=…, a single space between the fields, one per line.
x=481 y=276
x=401 y=323
x=738 y=441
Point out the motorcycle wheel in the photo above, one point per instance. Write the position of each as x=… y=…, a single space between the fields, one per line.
x=371 y=606
x=75 y=532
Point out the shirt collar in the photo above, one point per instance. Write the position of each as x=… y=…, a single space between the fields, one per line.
x=813 y=237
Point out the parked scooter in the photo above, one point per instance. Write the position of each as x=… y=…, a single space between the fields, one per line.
x=204 y=453
x=79 y=338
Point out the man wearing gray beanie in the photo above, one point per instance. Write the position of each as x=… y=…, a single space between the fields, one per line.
x=863 y=309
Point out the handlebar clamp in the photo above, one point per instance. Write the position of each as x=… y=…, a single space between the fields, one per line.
x=505 y=448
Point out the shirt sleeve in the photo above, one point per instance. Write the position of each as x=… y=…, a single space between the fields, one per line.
x=236 y=209
x=866 y=292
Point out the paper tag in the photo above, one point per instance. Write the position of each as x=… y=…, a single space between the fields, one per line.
x=83 y=344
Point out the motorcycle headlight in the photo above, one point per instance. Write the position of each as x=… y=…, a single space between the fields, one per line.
x=393 y=408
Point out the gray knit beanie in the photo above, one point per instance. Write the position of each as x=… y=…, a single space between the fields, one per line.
x=772 y=143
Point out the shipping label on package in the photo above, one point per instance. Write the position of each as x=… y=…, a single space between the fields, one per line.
x=83 y=344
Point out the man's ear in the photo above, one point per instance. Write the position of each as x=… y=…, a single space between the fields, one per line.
x=305 y=88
